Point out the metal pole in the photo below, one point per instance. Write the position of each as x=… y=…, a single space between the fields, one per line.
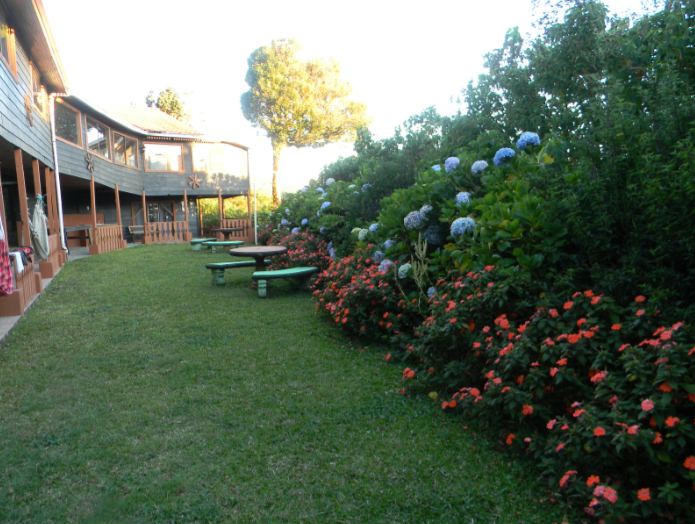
x=59 y=196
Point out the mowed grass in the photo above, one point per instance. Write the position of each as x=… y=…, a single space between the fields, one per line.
x=135 y=391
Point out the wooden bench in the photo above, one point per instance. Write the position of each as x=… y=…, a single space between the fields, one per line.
x=302 y=274
x=196 y=243
x=219 y=267
x=136 y=230
x=214 y=244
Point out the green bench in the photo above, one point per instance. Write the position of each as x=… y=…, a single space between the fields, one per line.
x=219 y=267
x=214 y=244
x=301 y=274
x=196 y=243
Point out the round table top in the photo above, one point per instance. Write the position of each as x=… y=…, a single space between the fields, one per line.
x=256 y=251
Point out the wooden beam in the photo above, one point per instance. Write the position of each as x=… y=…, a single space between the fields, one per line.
x=248 y=203
x=94 y=204
x=49 y=200
x=185 y=207
x=118 y=208
x=144 y=208
x=37 y=176
x=220 y=203
x=21 y=186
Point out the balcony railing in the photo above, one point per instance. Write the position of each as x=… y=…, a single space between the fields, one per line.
x=109 y=238
x=166 y=232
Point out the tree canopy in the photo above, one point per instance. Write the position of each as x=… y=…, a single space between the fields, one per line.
x=170 y=102
x=298 y=103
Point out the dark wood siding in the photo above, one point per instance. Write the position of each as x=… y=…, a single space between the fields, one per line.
x=14 y=125
x=162 y=184
x=71 y=161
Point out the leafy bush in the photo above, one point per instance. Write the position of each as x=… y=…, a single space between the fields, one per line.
x=303 y=249
x=591 y=389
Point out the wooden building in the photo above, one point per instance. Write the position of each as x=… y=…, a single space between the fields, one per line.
x=152 y=158
x=119 y=173
x=30 y=72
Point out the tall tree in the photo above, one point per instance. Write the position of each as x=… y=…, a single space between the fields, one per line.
x=170 y=102
x=298 y=103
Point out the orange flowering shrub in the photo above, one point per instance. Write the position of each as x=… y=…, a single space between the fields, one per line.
x=585 y=385
x=303 y=249
x=363 y=300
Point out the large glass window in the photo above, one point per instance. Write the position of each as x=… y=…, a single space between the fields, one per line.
x=220 y=159
x=125 y=150
x=98 y=138
x=68 y=124
x=163 y=157
x=7 y=50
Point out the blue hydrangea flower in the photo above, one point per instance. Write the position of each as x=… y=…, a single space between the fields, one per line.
x=528 y=139
x=503 y=155
x=451 y=163
x=413 y=220
x=305 y=221
x=287 y=211
x=305 y=189
x=432 y=235
x=424 y=211
x=357 y=192
x=362 y=235
x=325 y=205
x=403 y=271
x=351 y=186
x=330 y=181
x=318 y=213
x=461 y=226
x=295 y=230
x=331 y=252
x=389 y=244
x=373 y=227
x=385 y=265
x=355 y=230
x=285 y=222
x=330 y=245
x=320 y=190
x=322 y=230
x=478 y=167
x=437 y=167
x=462 y=198
x=366 y=186
x=379 y=256
x=431 y=292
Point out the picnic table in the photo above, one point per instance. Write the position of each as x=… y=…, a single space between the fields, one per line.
x=258 y=253
x=227 y=231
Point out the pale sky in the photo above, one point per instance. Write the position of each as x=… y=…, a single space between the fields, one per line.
x=400 y=58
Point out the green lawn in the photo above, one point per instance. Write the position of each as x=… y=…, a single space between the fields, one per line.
x=134 y=391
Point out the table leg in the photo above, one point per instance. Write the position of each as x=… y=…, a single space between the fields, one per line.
x=260 y=263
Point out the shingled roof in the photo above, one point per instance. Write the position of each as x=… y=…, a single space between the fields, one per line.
x=150 y=119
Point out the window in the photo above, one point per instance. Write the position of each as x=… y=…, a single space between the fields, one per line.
x=163 y=157
x=98 y=138
x=68 y=124
x=125 y=150
x=220 y=159
x=38 y=91
x=7 y=50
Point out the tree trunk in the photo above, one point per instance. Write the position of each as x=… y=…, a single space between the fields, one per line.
x=276 y=165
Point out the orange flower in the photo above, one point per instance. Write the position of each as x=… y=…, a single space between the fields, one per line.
x=453 y=320
x=616 y=327
x=476 y=345
x=527 y=410
x=574 y=338
x=388 y=357
x=623 y=347
x=566 y=477
x=452 y=404
x=640 y=299
x=665 y=387
x=672 y=421
x=588 y=293
x=553 y=371
x=386 y=315
x=581 y=321
x=562 y=362
x=559 y=447
x=643 y=495
x=639 y=313
x=595 y=300
x=475 y=392
x=599 y=432
x=510 y=437
x=690 y=463
x=610 y=495
x=593 y=479
x=647 y=405
x=551 y=424
x=553 y=313
x=568 y=305
x=520 y=379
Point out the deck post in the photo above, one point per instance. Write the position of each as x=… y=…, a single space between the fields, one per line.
x=188 y=236
x=49 y=200
x=220 y=235
x=145 y=237
x=94 y=245
x=23 y=209
x=118 y=217
x=46 y=267
x=12 y=304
